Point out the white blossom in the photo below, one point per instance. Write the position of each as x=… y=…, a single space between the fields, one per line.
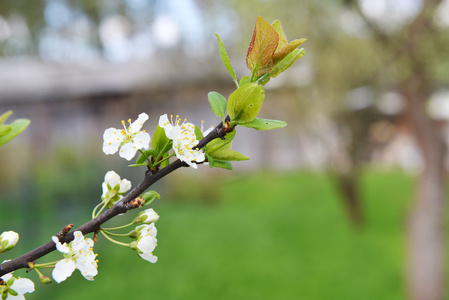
x=184 y=140
x=14 y=288
x=8 y=239
x=77 y=255
x=148 y=216
x=147 y=242
x=129 y=140
x=113 y=186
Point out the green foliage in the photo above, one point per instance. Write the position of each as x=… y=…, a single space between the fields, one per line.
x=225 y=59
x=5 y=116
x=244 y=80
x=144 y=156
x=8 y=132
x=244 y=103
x=5 y=130
x=150 y=196
x=218 y=104
x=160 y=142
x=264 y=124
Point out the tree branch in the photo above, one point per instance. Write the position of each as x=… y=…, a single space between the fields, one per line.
x=120 y=207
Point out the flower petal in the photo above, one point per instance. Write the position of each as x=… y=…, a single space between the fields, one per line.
x=142 y=140
x=87 y=267
x=125 y=185
x=149 y=257
x=64 y=248
x=128 y=151
x=112 y=138
x=23 y=285
x=137 y=124
x=63 y=269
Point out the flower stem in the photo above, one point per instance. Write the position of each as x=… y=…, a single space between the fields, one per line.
x=112 y=240
x=116 y=234
x=117 y=228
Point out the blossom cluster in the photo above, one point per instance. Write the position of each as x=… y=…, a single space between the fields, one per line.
x=129 y=140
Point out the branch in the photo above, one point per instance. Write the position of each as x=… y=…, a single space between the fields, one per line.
x=120 y=207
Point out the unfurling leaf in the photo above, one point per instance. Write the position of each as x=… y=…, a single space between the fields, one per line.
x=264 y=124
x=218 y=104
x=284 y=48
x=264 y=42
x=244 y=103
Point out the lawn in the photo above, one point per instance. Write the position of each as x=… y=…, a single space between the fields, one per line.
x=269 y=236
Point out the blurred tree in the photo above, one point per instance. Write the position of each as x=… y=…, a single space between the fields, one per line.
x=381 y=47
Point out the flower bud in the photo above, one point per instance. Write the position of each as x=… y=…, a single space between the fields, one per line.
x=148 y=216
x=44 y=279
x=8 y=239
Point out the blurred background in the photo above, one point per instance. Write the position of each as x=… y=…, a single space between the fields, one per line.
x=346 y=202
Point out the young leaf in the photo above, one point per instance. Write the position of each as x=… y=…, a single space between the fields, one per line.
x=165 y=162
x=198 y=134
x=244 y=103
x=5 y=129
x=160 y=142
x=244 y=80
x=261 y=49
x=142 y=158
x=225 y=59
x=284 y=48
x=218 y=104
x=210 y=160
x=217 y=143
x=264 y=124
x=223 y=164
x=17 y=127
x=150 y=196
x=286 y=62
x=225 y=154
x=5 y=116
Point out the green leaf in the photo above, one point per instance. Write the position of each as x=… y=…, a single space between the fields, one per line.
x=218 y=104
x=264 y=124
x=165 y=162
x=150 y=197
x=142 y=158
x=287 y=61
x=5 y=129
x=223 y=164
x=160 y=142
x=225 y=58
x=244 y=103
x=5 y=116
x=17 y=127
x=210 y=160
x=218 y=143
x=226 y=154
x=198 y=134
x=244 y=80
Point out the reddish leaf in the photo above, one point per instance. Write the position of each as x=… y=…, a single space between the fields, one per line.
x=259 y=58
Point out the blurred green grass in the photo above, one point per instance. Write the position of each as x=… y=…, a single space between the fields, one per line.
x=270 y=236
